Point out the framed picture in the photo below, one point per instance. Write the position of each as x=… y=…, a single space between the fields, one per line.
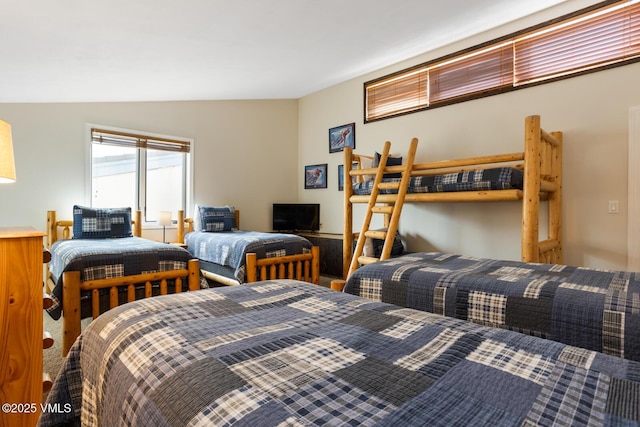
x=341 y=176
x=315 y=176
x=342 y=136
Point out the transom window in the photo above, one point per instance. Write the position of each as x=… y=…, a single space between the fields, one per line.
x=144 y=172
x=599 y=37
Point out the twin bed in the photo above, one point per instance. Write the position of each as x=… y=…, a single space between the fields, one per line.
x=439 y=340
x=106 y=264
x=227 y=254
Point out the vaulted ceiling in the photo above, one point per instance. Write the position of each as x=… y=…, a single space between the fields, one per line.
x=157 y=50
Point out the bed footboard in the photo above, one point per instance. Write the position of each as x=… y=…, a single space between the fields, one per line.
x=73 y=286
x=304 y=267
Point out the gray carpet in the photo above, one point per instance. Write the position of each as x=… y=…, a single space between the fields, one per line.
x=52 y=357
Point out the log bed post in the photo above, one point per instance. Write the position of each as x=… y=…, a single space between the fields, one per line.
x=347 y=234
x=555 y=200
x=531 y=189
x=71 y=326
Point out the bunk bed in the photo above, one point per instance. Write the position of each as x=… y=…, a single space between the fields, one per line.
x=529 y=177
x=105 y=263
x=284 y=352
x=231 y=256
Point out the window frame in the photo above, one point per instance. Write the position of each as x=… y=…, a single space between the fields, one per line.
x=188 y=164
x=512 y=38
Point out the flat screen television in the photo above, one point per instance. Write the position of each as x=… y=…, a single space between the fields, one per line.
x=296 y=216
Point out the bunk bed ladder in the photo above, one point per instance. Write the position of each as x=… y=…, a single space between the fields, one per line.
x=391 y=210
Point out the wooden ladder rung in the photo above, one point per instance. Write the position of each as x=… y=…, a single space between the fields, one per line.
x=375 y=234
x=389 y=185
x=364 y=260
x=382 y=209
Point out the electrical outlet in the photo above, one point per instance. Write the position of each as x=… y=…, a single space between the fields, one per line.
x=614 y=206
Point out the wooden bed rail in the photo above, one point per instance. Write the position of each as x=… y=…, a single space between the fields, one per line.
x=305 y=267
x=73 y=286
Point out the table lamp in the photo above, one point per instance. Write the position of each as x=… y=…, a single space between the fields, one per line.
x=165 y=219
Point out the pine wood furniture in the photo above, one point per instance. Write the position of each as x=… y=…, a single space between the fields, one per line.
x=73 y=286
x=541 y=162
x=21 y=326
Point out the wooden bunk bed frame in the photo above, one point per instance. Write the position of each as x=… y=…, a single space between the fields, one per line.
x=304 y=267
x=541 y=162
x=73 y=286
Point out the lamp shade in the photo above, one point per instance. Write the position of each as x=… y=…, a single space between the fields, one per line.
x=165 y=218
x=7 y=164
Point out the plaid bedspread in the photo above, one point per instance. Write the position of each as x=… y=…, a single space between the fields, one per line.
x=476 y=180
x=229 y=248
x=287 y=353
x=107 y=258
x=594 y=309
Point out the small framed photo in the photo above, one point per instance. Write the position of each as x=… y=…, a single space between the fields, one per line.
x=341 y=176
x=342 y=136
x=315 y=176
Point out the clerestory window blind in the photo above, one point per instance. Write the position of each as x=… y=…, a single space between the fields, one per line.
x=397 y=95
x=595 y=38
x=483 y=70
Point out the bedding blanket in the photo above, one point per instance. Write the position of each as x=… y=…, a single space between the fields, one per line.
x=107 y=258
x=594 y=309
x=229 y=248
x=475 y=180
x=287 y=353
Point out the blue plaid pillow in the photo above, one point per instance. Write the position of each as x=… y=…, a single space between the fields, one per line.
x=373 y=247
x=101 y=223
x=391 y=161
x=217 y=219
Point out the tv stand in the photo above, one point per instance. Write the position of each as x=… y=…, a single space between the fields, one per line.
x=330 y=251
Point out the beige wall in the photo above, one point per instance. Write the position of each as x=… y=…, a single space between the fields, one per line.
x=592 y=110
x=239 y=146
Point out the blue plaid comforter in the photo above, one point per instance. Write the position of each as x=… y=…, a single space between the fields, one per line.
x=107 y=258
x=229 y=248
x=474 y=180
x=594 y=309
x=287 y=353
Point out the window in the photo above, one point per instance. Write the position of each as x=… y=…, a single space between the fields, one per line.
x=596 y=38
x=145 y=172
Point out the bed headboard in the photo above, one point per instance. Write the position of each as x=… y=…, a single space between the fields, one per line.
x=187 y=224
x=64 y=227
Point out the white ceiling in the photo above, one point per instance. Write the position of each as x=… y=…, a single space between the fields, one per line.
x=157 y=50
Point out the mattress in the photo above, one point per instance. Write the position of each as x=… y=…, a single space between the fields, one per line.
x=475 y=180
